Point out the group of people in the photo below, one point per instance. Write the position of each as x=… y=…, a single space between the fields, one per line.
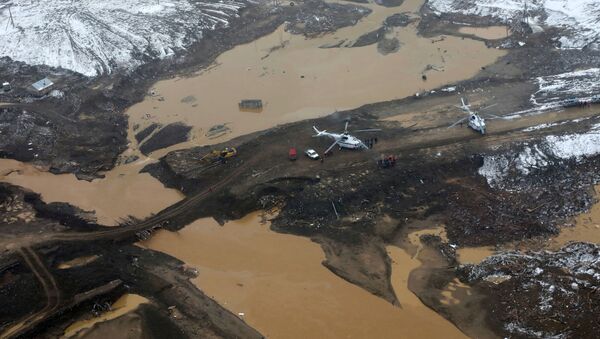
x=387 y=161
x=370 y=142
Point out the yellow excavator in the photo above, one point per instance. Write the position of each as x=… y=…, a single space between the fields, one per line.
x=214 y=155
x=228 y=152
x=214 y=158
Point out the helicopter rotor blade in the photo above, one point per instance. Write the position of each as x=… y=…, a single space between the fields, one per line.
x=330 y=147
x=486 y=107
x=458 y=122
x=319 y=133
x=346 y=127
x=367 y=130
x=493 y=116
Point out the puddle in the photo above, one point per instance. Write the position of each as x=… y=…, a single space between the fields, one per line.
x=123 y=305
x=278 y=283
x=586 y=228
x=123 y=192
x=455 y=292
x=489 y=33
x=473 y=255
x=301 y=80
x=81 y=261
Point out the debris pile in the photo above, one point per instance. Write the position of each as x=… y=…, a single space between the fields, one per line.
x=322 y=17
x=576 y=19
x=541 y=294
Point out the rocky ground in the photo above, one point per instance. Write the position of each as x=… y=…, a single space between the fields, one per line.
x=541 y=294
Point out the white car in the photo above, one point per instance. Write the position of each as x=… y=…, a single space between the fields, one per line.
x=311 y=153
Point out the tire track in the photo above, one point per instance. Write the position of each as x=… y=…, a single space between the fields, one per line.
x=50 y=288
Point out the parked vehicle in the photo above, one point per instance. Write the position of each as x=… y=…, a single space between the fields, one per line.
x=311 y=153
x=293 y=154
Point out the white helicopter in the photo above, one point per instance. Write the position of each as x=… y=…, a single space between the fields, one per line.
x=344 y=140
x=475 y=121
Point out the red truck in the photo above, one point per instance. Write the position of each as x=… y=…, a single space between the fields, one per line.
x=293 y=154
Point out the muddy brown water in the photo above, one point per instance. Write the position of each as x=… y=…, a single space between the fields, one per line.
x=123 y=192
x=123 y=305
x=278 y=283
x=586 y=227
x=489 y=33
x=473 y=255
x=295 y=82
x=296 y=79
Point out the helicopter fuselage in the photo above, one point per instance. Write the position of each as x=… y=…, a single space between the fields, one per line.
x=477 y=123
x=345 y=140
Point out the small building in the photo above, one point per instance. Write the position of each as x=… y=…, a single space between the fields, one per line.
x=6 y=87
x=252 y=104
x=42 y=85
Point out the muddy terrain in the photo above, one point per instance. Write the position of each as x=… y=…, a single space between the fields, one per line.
x=78 y=126
x=448 y=188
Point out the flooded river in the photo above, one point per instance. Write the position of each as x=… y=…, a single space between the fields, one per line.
x=121 y=193
x=298 y=79
x=278 y=282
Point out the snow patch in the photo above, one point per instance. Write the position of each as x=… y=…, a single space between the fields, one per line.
x=579 y=18
x=96 y=37
x=551 y=149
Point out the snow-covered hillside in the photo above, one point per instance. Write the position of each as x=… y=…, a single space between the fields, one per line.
x=557 y=90
x=551 y=150
x=98 y=36
x=579 y=18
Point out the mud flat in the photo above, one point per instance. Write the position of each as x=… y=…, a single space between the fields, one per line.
x=489 y=33
x=278 y=283
x=297 y=78
x=123 y=305
x=123 y=192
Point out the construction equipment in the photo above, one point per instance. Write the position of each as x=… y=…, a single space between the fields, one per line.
x=228 y=152
x=214 y=158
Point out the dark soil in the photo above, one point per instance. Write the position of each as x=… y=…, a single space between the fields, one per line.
x=169 y=135
x=541 y=294
x=399 y=20
x=325 y=18
x=370 y=38
x=389 y=3
x=120 y=268
x=143 y=134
